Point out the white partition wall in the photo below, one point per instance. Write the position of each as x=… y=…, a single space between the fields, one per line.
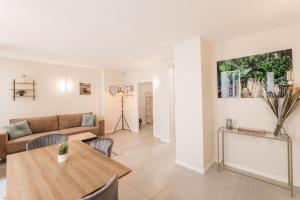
x=188 y=105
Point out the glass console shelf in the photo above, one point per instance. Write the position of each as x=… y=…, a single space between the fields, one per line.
x=266 y=135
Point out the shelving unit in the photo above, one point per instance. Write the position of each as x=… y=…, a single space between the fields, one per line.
x=29 y=87
x=149 y=107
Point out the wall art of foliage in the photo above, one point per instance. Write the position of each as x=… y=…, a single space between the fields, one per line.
x=245 y=77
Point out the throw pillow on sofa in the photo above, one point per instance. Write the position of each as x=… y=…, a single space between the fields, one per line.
x=17 y=130
x=88 y=120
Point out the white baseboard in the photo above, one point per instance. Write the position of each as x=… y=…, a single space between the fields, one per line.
x=258 y=172
x=208 y=166
x=167 y=140
x=261 y=173
x=189 y=166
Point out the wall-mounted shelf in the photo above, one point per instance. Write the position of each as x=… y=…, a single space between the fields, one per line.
x=22 y=89
x=30 y=88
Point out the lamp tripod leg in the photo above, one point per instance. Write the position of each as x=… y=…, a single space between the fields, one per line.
x=117 y=124
x=127 y=124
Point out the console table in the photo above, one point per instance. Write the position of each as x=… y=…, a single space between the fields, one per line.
x=266 y=135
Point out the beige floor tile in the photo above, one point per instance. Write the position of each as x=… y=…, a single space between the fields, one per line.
x=181 y=187
x=151 y=181
x=249 y=189
x=126 y=191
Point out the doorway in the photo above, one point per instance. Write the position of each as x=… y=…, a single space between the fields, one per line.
x=145 y=105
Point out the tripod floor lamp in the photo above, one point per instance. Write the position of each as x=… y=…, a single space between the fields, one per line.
x=123 y=92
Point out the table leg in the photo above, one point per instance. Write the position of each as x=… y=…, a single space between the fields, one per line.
x=223 y=157
x=291 y=167
x=218 y=135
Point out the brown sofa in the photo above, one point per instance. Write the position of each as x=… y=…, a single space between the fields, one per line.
x=65 y=124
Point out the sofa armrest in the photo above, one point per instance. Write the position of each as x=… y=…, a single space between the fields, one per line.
x=3 y=142
x=101 y=126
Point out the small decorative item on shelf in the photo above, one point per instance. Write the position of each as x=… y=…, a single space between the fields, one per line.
x=20 y=93
x=229 y=124
x=251 y=130
x=62 y=152
x=282 y=108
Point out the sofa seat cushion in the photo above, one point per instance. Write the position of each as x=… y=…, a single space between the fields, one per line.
x=40 y=124
x=70 y=120
x=77 y=130
x=19 y=144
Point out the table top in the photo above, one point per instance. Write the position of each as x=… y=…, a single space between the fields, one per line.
x=36 y=174
x=267 y=135
x=82 y=136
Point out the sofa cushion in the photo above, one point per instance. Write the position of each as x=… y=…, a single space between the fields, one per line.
x=17 y=130
x=88 y=120
x=77 y=130
x=70 y=120
x=40 y=124
x=19 y=144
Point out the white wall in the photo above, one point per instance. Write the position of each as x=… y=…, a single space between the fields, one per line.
x=50 y=99
x=257 y=155
x=162 y=119
x=112 y=104
x=171 y=103
x=143 y=89
x=207 y=103
x=188 y=105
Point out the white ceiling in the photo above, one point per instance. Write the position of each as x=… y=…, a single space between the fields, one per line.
x=122 y=34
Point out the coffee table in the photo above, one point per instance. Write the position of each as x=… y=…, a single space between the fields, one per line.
x=82 y=136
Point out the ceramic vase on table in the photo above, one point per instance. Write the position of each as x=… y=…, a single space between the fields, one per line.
x=62 y=158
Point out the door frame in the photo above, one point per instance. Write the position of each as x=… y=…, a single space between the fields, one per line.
x=137 y=100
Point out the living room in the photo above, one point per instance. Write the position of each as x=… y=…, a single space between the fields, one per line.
x=224 y=100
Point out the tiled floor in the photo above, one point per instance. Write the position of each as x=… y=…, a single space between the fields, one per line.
x=156 y=176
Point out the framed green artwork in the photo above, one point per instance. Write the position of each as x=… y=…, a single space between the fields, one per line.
x=246 y=77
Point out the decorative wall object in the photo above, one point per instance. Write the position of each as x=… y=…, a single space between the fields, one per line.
x=246 y=77
x=23 y=88
x=85 y=88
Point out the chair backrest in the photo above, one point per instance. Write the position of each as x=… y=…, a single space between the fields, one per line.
x=46 y=140
x=108 y=192
x=104 y=145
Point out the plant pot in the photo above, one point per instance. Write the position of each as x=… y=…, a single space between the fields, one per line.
x=62 y=158
x=21 y=93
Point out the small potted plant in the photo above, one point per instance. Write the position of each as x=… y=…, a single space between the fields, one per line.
x=62 y=152
x=21 y=93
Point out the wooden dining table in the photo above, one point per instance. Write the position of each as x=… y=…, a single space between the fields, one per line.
x=36 y=174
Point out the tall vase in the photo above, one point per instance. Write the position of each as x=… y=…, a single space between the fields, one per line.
x=278 y=128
